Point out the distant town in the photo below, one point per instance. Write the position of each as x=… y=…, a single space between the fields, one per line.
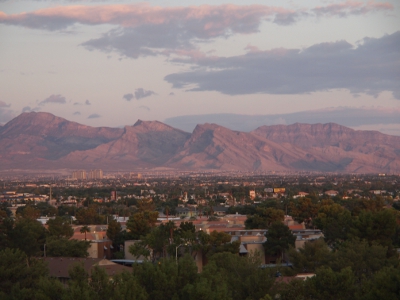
x=119 y=221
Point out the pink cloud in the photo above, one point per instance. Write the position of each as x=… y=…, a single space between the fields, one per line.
x=251 y=48
x=351 y=8
x=145 y=30
x=208 y=19
x=212 y=20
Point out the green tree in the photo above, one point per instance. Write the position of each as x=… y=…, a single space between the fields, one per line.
x=335 y=222
x=211 y=285
x=6 y=227
x=89 y=216
x=243 y=276
x=63 y=247
x=60 y=228
x=84 y=229
x=379 y=226
x=327 y=284
x=127 y=287
x=186 y=234
x=217 y=242
x=49 y=289
x=145 y=205
x=187 y=272
x=4 y=209
x=164 y=239
x=264 y=217
x=384 y=285
x=114 y=230
x=46 y=209
x=78 y=285
x=356 y=206
x=304 y=210
x=396 y=205
x=294 y=289
x=28 y=212
x=100 y=284
x=166 y=279
x=312 y=256
x=279 y=238
x=363 y=258
x=141 y=223
x=159 y=280
x=28 y=235
x=64 y=210
x=157 y=241
x=19 y=274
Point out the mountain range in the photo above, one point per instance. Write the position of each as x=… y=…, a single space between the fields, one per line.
x=42 y=141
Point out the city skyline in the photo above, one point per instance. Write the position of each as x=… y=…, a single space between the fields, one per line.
x=109 y=63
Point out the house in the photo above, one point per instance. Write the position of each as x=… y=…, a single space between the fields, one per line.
x=186 y=211
x=300 y=195
x=59 y=266
x=332 y=193
x=100 y=245
x=378 y=192
x=220 y=210
x=304 y=235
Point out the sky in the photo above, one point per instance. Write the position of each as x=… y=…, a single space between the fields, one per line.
x=240 y=64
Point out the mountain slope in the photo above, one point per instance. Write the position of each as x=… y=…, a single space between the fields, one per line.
x=145 y=144
x=42 y=140
x=216 y=147
x=36 y=137
x=359 y=151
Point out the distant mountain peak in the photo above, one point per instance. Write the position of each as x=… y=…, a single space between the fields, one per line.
x=41 y=140
x=36 y=116
x=153 y=125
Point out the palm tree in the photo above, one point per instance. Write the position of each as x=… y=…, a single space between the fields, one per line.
x=211 y=204
x=200 y=209
x=85 y=229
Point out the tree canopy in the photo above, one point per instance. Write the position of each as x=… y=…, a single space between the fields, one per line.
x=279 y=238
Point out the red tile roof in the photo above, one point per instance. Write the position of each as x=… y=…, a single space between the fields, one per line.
x=59 y=266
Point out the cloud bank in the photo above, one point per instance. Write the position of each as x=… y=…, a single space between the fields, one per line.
x=145 y=30
x=57 y=99
x=6 y=114
x=139 y=94
x=128 y=97
x=94 y=116
x=371 y=68
x=347 y=116
x=142 y=93
x=3 y=104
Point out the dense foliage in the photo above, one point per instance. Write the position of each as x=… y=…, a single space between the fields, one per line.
x=25 y=233
x=354 y=271
x=356 y=259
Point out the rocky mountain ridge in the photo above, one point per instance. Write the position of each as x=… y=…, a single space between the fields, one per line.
x=44 y=141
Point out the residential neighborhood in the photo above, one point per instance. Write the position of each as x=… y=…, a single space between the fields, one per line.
x=121 y=223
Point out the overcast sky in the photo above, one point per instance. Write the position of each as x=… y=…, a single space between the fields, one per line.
x=109 y=63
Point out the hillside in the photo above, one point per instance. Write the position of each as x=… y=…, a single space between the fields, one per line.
x=44 y=141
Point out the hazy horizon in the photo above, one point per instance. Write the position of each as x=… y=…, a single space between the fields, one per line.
x=351 y=118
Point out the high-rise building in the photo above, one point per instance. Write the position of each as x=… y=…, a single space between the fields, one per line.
x=80 y=175
x=95 y=174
